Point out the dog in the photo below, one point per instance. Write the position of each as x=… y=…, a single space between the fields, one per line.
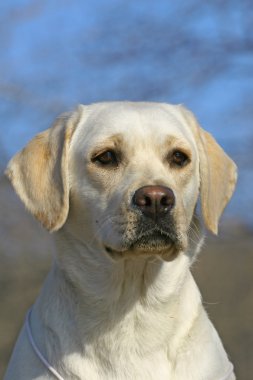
x=118 y=183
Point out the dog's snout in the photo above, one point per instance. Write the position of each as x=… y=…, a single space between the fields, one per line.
x=154 y=201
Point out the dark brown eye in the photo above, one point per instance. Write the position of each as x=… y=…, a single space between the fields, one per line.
x=106 y=158
x=179 y=158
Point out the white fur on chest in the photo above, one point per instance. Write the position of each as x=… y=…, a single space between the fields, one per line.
x=135 y=348
x=123 y=367
x=136 y=334
x=154 y=330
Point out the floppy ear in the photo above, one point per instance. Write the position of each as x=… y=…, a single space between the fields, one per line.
x=218 y=174
x=39 y=173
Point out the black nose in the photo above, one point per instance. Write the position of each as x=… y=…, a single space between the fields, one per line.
x=154 y=201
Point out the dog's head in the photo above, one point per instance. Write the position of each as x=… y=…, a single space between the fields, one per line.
x=125 y=176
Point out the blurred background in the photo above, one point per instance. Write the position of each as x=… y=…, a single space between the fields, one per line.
x=55 y=54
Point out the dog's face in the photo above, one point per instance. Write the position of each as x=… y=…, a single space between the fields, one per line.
x=126 y=177
x=134 y=179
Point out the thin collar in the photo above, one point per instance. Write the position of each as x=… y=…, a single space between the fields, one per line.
x=36 y=349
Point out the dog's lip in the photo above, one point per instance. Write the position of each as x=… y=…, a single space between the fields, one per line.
x=111 y=250
x=114 y=254
x=152 y=234
x=166 y=253
x=157 y=233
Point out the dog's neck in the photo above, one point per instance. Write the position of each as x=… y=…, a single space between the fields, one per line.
x=97 y=277
x=105 y=299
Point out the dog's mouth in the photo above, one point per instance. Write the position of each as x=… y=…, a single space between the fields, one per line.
x=153 y=241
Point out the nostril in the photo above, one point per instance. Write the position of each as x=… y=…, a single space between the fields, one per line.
x=168 y=200
x=142 y=200
x=148 y=201
x=165 y=201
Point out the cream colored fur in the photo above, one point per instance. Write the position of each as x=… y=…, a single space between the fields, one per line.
x=110 y=310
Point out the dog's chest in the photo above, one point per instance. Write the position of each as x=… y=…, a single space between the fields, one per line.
x=122 y=366
x=136 y=348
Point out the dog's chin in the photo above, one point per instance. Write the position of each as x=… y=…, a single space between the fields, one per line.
x=155 y=244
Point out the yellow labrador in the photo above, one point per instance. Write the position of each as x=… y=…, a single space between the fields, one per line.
x=118 y=183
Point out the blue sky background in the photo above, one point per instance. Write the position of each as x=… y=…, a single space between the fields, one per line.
x=55 y=54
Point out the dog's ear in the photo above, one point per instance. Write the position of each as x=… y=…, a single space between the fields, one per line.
x=39 y=173
x=218 y=174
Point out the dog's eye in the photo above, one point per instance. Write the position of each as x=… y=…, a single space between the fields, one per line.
x=179 y=158
x=106 y=158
